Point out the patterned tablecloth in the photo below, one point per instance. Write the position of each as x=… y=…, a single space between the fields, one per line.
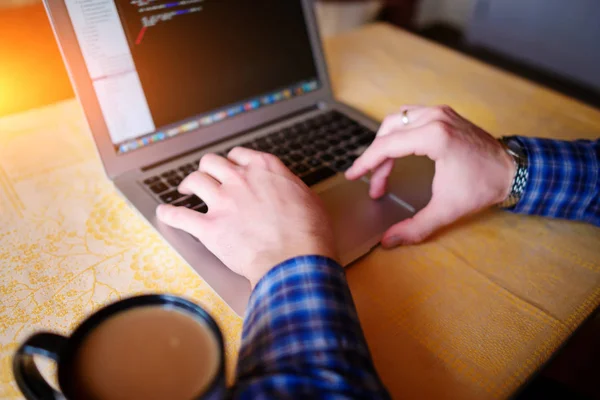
x=470 y=314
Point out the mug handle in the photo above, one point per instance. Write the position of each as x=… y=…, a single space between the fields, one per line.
x=28 y=377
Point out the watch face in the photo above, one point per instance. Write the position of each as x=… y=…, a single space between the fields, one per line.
x=516 y=147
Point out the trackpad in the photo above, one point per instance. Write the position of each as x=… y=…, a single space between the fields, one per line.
x=358 y=221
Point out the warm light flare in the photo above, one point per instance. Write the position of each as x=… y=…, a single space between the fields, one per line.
x=31 y=71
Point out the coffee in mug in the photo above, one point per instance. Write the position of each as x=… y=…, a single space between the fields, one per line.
x=148 y=347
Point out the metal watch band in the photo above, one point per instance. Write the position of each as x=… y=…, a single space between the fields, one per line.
x=521 y=175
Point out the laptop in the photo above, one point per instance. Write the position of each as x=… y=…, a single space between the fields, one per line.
x=163 y=82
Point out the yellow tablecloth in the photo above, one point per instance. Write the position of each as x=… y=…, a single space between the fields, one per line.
x=469 y=314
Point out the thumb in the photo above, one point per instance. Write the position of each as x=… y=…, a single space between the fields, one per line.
x=418 y=228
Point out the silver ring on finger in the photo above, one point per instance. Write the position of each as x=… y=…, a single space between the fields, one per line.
x=405 y=120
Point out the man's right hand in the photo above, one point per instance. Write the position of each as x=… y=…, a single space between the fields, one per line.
x=473 y=171
x=259 y=213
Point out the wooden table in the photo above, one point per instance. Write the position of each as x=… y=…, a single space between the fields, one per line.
x=470 y=314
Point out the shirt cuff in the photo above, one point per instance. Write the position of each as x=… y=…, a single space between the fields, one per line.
x=302 y=287
x=302 y=336
x=294 y=266
x=563 y=179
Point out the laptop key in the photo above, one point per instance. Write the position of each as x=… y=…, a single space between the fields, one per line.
x=296 y=157
x=189 y=202
x=280 y=152
x=288 y=133
x=339 y=152
x=309 y=152
x=299 y=169
x=344 y=122
x=159 y=187
x=351 y=146
x=168 y=174
x=312 y=136
x=202 y=208
x=263 y=141
x=319 y=119
x=316 y=176
x=366 y=139
x=344 y=137
x=333 y=141
x=338 y=116
x=286 y=161
x=327 y=157
x=321 y=145
x=171 y=196
x=344 y=163
x=174 y=181
x=187 y=173
x=335 y=126
x=314 y=162
x=295 y=145
x=339 y=164
x=152 y=180
x=264 y=145
x=277 y=140
x=187 y=167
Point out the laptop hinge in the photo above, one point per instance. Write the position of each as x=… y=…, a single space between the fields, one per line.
x=262 y=126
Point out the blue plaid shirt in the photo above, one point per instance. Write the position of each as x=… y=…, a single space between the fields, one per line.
x=564 y=179
x=302 y=337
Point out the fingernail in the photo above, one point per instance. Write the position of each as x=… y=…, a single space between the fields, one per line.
x=375 y=193
x=393 y=241
x=351 y=173
x=160 y=211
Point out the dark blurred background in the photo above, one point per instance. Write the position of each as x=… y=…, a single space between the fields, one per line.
x=553 y=42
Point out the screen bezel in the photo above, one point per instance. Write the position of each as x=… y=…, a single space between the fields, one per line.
x=117 y=164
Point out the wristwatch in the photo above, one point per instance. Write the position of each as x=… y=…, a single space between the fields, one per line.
x=514 y=148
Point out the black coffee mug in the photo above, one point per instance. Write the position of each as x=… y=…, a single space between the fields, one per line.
x=62 y=349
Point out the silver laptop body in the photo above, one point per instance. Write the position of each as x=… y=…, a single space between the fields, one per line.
x=146 y=143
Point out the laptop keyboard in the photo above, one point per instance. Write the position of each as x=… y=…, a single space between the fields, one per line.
x=315 y=149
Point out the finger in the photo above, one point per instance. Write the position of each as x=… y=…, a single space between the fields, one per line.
x=417 y=117
x=418 y=141
x=378 y=181
x=219 y=168
x=418 y=228
x=242 y=156
x=394 y=122
x=248 y=157
x=202 y=185
x=378 y=186
x=183 y=218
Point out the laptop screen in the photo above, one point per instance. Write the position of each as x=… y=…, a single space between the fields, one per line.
x=161 y=68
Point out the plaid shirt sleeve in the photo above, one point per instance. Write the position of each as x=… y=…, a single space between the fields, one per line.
x=564 y=179
x=302 y=338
